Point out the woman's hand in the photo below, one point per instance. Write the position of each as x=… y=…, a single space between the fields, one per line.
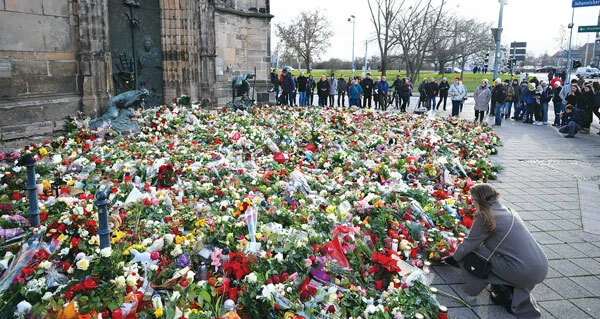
x=450 y=261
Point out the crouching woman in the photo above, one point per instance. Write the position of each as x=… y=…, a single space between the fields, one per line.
x=517 y=262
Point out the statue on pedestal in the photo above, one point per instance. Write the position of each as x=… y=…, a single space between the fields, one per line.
x=241 y=87
x=120 y=112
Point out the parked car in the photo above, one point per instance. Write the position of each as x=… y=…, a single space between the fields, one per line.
x=587 y=72
x=545 y=69
x=452 y=70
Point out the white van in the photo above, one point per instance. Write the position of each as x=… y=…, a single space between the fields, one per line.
x=587 y=72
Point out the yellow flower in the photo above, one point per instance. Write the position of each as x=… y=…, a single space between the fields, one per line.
x=158 y=312
x=43 y=151
x=179 y=239
x=258 y=236
x=200 y=222
x=330 y=209
x=117 y=235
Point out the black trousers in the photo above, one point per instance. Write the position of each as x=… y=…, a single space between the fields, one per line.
x=311 y=96
x=367 y=99
x=537 y=111
x=331 y=100
x=404 y=103
x=341 y=95
x=479 y=115
x=442 y=97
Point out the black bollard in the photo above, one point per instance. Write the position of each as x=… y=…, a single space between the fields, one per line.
x=103 y=230
x=34 y=210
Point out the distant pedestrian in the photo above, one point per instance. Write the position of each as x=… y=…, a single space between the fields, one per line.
x=457 y=94
x=367 y=86
x=354 y=92
x=310 y=89
x=557 y=101
x=323 y=90
x=341 y=90
x=443 y=89
x=275 y=83
x=423 y=93
x=293 y=94
x=288 y=86
x=528 y=101
x=384 y=89
x=332 y=90
x=302 y=88
x=432 y=91
x=376 y=92
x=482 y=98
x=499 y=94
x=587 y=105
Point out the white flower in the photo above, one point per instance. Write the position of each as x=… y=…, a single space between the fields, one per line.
x=175 y=296
x=154 y=267
x=279 y=257
x=120 y=281
x=47 y=296
x=190 y=276
x=45 y=264
x=251 y=278
x=106 y=252
x=83 y=264
x=70 y=270
x=131 y=280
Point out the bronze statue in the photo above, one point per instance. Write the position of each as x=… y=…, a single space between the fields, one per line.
x=119 y=114
x=241 y=87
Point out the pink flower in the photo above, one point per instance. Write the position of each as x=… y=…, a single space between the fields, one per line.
x=216 y=256
x=154 y=255
x=307 y=262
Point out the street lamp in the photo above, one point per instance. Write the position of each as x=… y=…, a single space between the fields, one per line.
x=570 y=56
x=352 y=19
x=497 y=36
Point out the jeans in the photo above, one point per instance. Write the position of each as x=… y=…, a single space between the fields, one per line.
x=479 y=115
x=276 y=93
x=456 y=107
x=292 y=100
x=444 y=98
x=558 y=107
x=545 y=112
x=331 y=100
x=572 y=128
x=431 y=102
x=518 y=111
x=354 y=101
x=528 y=113
x=302 y=98
x=507 y=106
x=498 y=113
x=341 y=95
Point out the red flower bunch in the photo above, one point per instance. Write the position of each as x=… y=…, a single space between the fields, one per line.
x=166 y=175
x=307 y=290
x=85 y=286
x=238 y=265
x=440 y=194
x=383 y=263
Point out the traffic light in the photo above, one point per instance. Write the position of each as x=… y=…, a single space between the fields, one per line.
x=576 y=64
x=486 y=60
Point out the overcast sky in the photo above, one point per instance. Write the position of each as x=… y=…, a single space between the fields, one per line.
x=533 y=21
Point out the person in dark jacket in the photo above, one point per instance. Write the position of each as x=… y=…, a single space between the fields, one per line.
x=587 y=105
x=422 y=93
x=376 y=92
x=432 y=89
x=499 y=95
x=341 y=90
x=528 y=101
x=310 y=89
x=293 y=94
x=443 y=89
x=519 y=262
x=288 y=86
x=384 y=88
x=515 y=98
x=275 y=83
x=404 y=94
x=545 y=100
x=302 y=81
x=354 y=92
x=367 y=86
x=520 y=109
x=571 y=121
x=398 y=84
x=596 y=87
x=557 y=101
x=573 y=96
x=323 y=90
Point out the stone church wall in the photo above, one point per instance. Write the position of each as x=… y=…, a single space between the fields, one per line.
x=40 y=80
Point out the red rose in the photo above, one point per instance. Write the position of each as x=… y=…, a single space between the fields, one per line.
x=184 y=283
x=90 y=283
x=16 y=196
x=75 y=242
x=42 y=254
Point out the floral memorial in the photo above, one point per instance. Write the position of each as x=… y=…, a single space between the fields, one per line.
x=274 y=211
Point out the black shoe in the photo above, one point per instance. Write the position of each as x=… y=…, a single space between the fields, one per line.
x=501 y=295
x=554 y=124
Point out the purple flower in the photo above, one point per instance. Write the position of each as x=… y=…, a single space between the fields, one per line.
x=6 y=207
x=183 y=260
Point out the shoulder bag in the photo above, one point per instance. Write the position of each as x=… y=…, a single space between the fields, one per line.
x=480 y=266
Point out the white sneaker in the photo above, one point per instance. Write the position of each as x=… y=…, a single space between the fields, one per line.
x=545 y=123
x=535 y=123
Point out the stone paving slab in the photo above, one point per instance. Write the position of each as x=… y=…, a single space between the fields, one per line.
x=553 y=183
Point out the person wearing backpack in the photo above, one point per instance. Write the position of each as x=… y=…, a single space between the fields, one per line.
x=499 y=95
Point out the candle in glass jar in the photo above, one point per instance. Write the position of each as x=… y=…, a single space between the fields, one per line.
x=426 y=266
x=442 y=312
x=395 y=244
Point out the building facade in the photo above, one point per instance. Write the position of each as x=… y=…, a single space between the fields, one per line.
x=58 y=57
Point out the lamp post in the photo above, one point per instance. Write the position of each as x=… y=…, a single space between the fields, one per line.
x=570 y=57
x=352 y=19
x=497 y=38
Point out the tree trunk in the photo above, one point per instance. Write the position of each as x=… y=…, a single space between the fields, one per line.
x=383 y=65
x=307 y=61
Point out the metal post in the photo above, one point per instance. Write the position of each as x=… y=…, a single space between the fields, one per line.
x=34 y=210
x=365 y=63
x=498 y=38
x=515 y=59
x=570 y=57
x=103 y=230
x=353 y=18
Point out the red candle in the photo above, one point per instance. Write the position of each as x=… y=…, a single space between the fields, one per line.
x=378 y=284
x=442 y=312
x=413 y=253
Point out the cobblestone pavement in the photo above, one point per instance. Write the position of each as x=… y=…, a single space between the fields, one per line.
x=553 y=183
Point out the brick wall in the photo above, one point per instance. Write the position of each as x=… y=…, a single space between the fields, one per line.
x=40 y=80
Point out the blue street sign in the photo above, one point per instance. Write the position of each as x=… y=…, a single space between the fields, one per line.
x=585 y=3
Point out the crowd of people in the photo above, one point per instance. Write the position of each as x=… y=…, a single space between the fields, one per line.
x=527 y=101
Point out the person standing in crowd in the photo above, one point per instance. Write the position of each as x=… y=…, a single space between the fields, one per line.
x=367 y=86
x=332 y=90
x=310 y=89
x=537 y=105
x=482 y=98
x=354 y=92
x=528 y=101
x=596 y=87
x=443 y=88
x=558 y=102
x=432 y=89
x=518 y=263
x=571 y=121
x=302 y=84
x=376 y=92
x=587 y=105
x=398 y=84
x=422 y=93
x=323 y=90
x=341 y=90
x=462 y=103
x=555 y=79
x=293 y=94
x=384 y=89
x=404 y=94
x=573 y=95
x=521 y=110
x=457 y=94
x=288 y=86
x=275 y=83
x=510 y=92
x=546 y=98
x=499 y=94
x=515 y=99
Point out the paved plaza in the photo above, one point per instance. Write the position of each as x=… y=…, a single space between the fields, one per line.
x=553 y=183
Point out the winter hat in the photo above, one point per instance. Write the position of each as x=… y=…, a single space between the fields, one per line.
x=557 y=84
x=498 y=81
x=531 y=86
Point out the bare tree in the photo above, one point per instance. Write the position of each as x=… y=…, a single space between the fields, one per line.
x=414 y=31
x=307 y=37
x=562 y=38
x=383 y=15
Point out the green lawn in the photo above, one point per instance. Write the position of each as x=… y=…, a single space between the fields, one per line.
x=470 y=80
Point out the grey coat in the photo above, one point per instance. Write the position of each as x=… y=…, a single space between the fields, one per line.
x=482 y=98
x=519 y=262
